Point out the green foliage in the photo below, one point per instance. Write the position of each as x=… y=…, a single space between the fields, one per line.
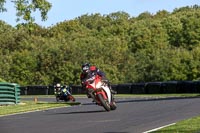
x=2 y=8
x=1 y=80
x=25 y=9
x=160 y=47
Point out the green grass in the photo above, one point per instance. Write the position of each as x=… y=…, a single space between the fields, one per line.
x=186 y=126
x=26 y=106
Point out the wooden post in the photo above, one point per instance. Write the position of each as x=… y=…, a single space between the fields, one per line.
x=35 y=99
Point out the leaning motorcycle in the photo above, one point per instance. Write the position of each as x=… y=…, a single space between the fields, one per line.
x=101 y=93
x=64 y=95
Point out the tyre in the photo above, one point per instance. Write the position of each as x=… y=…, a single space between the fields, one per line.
x=72 y=98
x=66 y=98
x=57 y=99
x=104 y=103
x=113 y=105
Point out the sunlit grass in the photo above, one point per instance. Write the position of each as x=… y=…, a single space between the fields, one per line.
x=186 y=126
x=26 y=106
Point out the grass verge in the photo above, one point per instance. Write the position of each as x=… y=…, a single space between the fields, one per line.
x=186 y=126
x=26 y=106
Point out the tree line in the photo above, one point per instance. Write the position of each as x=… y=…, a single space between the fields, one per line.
x=150 y=47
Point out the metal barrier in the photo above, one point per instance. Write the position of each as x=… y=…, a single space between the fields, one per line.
x=9 y=93
x=126 y=88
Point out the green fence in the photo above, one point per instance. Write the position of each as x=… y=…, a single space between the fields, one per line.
x=9 y=93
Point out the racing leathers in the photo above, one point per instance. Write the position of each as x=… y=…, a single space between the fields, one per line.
x=93 y=70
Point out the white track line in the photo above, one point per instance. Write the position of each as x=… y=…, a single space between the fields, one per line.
x=155 y=129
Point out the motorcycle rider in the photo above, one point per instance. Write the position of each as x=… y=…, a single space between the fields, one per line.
x=89 y=71
x=64 y=90
x=57 y=89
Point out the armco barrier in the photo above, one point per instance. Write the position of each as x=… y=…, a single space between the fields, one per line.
x=9 y=93
x=37 y=90
x=124 y=88
x=197 y=86
x=77 y=89
x=138 y=88
x=127 y=88
x=153 y=88
x=186 y=87
x=169 y=87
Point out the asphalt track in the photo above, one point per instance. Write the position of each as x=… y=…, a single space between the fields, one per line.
x=131 y=116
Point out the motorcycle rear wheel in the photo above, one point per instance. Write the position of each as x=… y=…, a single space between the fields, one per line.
x=104 y=103
x=72 y=98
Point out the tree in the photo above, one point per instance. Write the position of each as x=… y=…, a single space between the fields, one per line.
x=25 y=8
x=162 y=14
x=145 y=15
x=160 y=47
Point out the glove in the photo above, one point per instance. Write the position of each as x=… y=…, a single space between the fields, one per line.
x=105 y=80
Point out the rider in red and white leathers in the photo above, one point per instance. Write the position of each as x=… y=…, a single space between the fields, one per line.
x=88 y=72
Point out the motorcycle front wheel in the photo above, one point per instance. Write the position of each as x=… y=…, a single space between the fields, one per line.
x=57 y=98
x=104 y=102
x=113 y=106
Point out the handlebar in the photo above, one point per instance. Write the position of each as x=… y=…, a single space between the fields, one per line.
x=91 y=79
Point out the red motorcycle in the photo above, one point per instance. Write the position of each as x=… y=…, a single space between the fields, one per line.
x=100 y=92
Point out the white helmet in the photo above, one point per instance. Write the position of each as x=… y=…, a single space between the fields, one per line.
x=58 y=85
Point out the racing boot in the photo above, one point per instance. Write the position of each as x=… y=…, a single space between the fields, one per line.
x=88 y=95
x=112 y=91
x=108 y=83
x=91 y=94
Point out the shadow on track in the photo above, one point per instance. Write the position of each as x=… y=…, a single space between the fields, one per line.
x=80 y=112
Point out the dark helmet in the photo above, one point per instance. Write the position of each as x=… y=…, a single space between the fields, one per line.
x=86 y=67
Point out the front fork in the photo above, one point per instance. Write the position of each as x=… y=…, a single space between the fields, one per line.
x=92 y=94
